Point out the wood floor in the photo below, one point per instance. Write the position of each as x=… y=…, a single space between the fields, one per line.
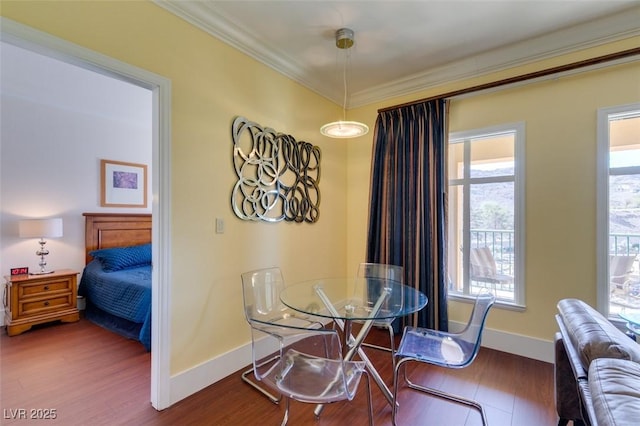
x=88 y=376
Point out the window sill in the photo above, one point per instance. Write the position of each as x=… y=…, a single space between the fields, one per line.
x=500 y=304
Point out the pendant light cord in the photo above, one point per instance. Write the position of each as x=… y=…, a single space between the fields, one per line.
x=344 y=82
x=343 y=128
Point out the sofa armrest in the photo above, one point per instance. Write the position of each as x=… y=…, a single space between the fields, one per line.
x=593 y=335
x=579 y=372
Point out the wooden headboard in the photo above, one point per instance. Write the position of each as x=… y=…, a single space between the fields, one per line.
x=106 y=230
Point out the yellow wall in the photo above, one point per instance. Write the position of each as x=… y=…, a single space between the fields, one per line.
x=211 y=84
x=560 y=117
x=560 y=232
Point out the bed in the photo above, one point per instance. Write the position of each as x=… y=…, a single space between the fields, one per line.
x=116 y=281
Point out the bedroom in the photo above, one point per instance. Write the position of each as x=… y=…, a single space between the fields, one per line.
x=199 y=152
x=64 y=120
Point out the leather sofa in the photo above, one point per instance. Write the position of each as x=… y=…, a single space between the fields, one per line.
x=597 y=369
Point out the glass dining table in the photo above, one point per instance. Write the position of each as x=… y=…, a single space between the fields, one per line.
x=345 y=300
x=633 y=323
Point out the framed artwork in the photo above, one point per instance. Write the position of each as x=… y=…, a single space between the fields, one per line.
x=123 y=184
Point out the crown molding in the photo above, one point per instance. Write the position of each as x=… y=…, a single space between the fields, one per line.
x=591 y=34
x=203 y=16
x=548 y=46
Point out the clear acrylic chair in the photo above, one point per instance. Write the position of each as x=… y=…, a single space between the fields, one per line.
x=449 y=350
x=262 y=305
x=381 y=270
x=307 y=364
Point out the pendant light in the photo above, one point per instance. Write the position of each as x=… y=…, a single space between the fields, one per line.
x=344 y=128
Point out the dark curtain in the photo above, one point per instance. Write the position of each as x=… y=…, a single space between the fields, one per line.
x=407 y=212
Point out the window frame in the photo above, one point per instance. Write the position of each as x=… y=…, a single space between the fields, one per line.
x=603 y=172
x=519 y=129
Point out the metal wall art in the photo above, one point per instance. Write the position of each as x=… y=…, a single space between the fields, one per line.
x=278 y=176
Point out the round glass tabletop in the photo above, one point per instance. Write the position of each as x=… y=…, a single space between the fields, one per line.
x=633 y=321
x=353 y=298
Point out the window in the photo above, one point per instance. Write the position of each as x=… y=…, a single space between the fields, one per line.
x=618 y=209
x=485 y=213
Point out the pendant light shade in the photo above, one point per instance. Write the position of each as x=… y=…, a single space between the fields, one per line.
x=343 y=128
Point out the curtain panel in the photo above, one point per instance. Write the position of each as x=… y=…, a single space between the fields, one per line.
x=407 y=210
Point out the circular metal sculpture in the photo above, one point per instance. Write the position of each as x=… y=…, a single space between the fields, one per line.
x=278 y=176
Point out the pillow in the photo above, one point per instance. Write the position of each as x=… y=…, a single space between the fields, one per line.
x=117 y=258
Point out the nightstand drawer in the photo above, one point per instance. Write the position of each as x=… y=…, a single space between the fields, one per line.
x=36 y=307
x=37 y=299
x=44 y=289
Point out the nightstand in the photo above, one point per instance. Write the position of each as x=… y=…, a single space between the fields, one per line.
x=36 y=299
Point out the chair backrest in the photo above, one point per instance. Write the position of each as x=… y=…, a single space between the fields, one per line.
x=481 y=262
x=471 y=336
x=620 y=267
x=369 y=281
x=261 y=294
x=381 y=270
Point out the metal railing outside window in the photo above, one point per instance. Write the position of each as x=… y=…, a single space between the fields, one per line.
x=624 y=244
x=501 y=242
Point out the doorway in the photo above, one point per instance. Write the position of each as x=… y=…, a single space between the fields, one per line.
x=35 y=41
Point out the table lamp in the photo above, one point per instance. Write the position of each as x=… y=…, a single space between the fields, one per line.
x=41 y=228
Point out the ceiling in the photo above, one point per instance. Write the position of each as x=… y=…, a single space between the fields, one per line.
x=40 y=79
x=405 y=46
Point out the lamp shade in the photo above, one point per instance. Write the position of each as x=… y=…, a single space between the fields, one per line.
x=344 y=129
x=40 y=228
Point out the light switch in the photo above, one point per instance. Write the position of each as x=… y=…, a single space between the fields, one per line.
x=219 y=225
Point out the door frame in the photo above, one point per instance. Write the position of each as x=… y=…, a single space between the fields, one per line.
x=45 y=44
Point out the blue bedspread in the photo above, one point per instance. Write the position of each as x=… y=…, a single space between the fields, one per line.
x=125 y=294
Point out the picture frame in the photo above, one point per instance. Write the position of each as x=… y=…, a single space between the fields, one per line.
x=123 y=184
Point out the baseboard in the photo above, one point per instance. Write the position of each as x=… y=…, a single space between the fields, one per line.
x=517 y=344
x=209 y=372
x=199 y=377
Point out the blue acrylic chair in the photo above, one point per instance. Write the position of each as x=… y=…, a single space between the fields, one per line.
x=449 y=350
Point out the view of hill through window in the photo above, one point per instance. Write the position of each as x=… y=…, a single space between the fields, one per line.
x=624 y=194
x=492 y=203
x=624 y=204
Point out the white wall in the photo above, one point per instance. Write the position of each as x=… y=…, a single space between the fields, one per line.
x=56 y=122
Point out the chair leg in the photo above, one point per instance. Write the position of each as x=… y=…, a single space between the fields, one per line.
x=256 y=386
x=369 y=401
x=286 y=412
x=435 y=392
x=394 y=402
x=371 y=345
x=451 y=397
